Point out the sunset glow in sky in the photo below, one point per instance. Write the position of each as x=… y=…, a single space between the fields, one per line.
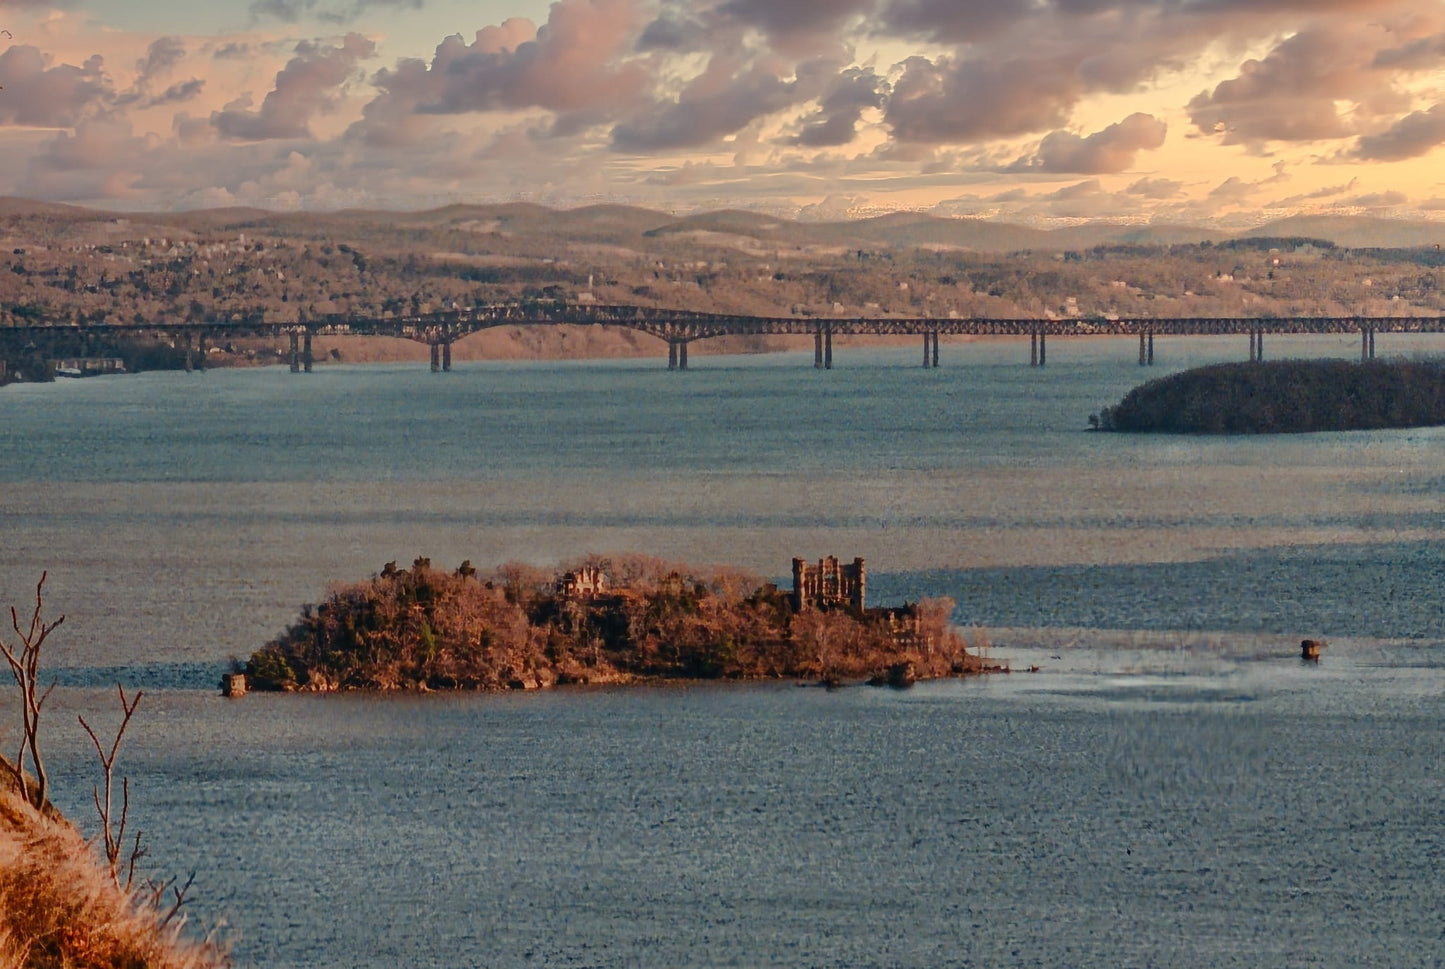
x=1227 y=112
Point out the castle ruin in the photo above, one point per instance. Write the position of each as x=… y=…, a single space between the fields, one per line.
x=829 y=584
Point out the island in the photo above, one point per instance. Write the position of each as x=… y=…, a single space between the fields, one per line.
x=620 y=619
x=1288 y=396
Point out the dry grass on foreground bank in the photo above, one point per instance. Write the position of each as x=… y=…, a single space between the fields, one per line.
x=521 y=628
x=60 y=907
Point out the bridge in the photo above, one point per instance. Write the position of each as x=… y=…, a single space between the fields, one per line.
x=679 y=328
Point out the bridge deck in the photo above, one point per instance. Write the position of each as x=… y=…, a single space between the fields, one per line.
x=677 y=325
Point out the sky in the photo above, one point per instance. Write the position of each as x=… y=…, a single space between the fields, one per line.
x=1224 y=113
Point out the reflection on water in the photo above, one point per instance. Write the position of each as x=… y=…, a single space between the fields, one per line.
x=1174 y=786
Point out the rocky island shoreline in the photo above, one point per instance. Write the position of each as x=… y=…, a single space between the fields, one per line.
x=627 y=619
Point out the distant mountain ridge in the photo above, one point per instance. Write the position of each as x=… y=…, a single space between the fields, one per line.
x=625 y=225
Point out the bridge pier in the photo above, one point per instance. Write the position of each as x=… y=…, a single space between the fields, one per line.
x=190 y=354
x=295 y=355
x=671 y=354
x=930 y=349
x=1367 y=342
x=1043 y=348
x=1033 y=348
x=682 y=354
x=306 y=358
x=436 y=358
x=823 y=346
x=1256 y=345
x=201 y=349
x=1146 y=348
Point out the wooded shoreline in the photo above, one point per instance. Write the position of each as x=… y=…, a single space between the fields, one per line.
x=1285 y=397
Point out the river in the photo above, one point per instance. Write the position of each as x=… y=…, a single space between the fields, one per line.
x=1173 y=787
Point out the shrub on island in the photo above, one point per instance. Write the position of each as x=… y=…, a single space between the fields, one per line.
x=519 y=628
x=1289 y=396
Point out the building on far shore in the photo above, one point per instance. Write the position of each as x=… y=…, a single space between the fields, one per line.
x=829 y=584
x=86 y=366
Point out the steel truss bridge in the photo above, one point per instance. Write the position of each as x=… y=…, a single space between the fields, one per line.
x=680 y=328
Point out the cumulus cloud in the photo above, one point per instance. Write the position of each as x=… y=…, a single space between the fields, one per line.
x=161 y=58
x=575 y=64
x=719 y=102
x=333 y=11
x=177 y=93
x=1109 y=151
x=1156 y=188
x=1414 y=135
x=101 y=159
x=308 y=85
x=46 y=96
x=1293 y=94
x=836 y=121
x=796 y=26
x=894 y=95
x=1420 y=54
x=952 y=101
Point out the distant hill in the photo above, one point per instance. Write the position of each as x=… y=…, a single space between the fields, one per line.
x=645 y=229
x=1357 y=232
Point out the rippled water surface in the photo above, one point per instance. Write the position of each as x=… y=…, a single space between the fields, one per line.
x=1173 y=787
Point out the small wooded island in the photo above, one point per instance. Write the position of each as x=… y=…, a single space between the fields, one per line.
x=1285 y=397
x=614 y=620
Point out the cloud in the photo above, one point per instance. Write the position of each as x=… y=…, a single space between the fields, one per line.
x=575 y=64
x=1328 y=191
x=796 y=26
x=308 y=85
x=1378 y=200
x=1233 y=190
x=1156 y=189
x=1414 y=135
x=101 y=159
x=836 y=121
x=1293 y=94
x=952 y=101
x=177 y=93
x=718 y=103
x=1420 y=54
x=1109 y=151
x=50 y=97
x=332 y=11
x=844 y=99
x=162 y=56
